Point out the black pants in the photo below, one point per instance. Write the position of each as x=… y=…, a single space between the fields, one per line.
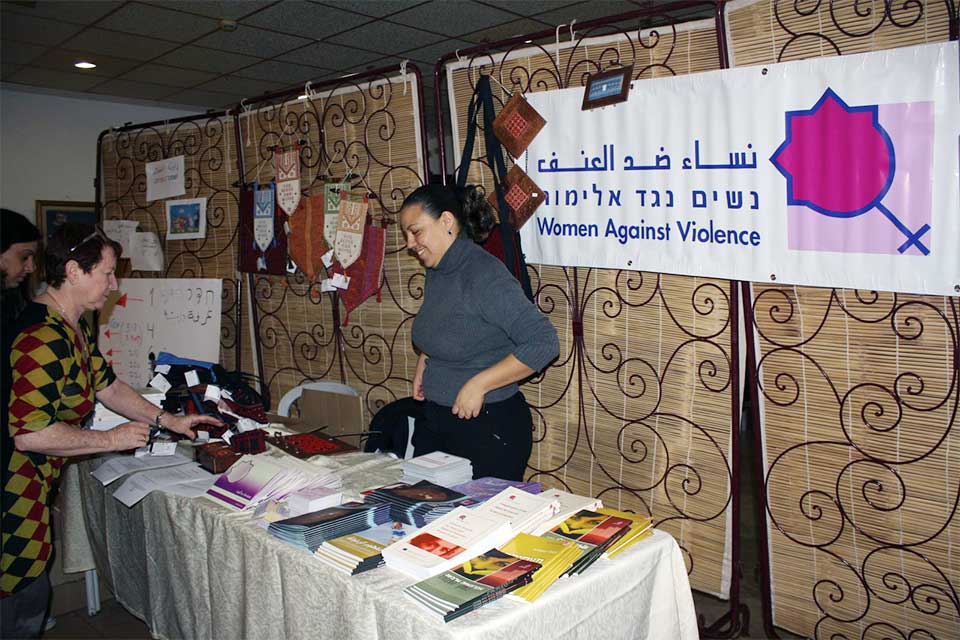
x=497 y=442
x=25 y=612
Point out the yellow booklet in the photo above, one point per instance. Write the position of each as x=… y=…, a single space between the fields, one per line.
x=555 y=557
x=640 y=529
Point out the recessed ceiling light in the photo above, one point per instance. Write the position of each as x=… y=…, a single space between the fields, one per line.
x=83 y=64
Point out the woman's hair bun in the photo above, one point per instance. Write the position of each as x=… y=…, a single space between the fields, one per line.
x=479 y=218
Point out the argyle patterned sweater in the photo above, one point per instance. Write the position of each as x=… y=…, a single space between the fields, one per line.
x=50 y=374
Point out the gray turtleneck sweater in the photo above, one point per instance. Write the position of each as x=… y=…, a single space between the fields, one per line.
x=474 y=314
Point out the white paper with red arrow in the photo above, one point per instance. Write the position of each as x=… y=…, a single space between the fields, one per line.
x=177 y=315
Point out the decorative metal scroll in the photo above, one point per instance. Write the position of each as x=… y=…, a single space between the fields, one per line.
x=209 y=151
x=641 y=407
x=857 y=398
x=370 y=133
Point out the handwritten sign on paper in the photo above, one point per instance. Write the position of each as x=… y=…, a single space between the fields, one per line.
x=177 y=315
x=165 y=179
x=146 y=252
x=122 y=231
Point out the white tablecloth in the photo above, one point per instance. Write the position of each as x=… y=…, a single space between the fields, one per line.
x=191 y=569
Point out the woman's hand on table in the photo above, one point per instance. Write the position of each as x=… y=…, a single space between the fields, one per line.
x=184 y=424
x=129 y=435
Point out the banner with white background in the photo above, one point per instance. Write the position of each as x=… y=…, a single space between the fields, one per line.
x=835 y=172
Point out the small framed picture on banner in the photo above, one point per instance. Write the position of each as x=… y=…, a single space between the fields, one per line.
x=186 y=219
x=607 y=87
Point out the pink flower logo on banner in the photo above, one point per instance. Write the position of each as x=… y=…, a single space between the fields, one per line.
x=840 y=161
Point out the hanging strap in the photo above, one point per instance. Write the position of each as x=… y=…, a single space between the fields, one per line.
x=512 y=252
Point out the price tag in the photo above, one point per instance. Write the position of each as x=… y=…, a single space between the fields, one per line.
x=163 y=448
x=327 y=259
x=192 y=378
x=212 y=393
x=340 y=281
x=160 y=383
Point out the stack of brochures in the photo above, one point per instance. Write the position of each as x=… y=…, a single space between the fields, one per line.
x=437 y=467
x=310 y=530
x=419 y=504
x=641 y=527
x=253 y=479
x=471 y=585
x=570 y=503
x=447 y=542
x=488 y=486
x=361 y=551
x=312 y=499
x=524 y=511
x=593 y=532
x=554 y=557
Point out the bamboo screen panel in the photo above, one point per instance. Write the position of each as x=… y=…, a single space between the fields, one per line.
x=639 y=407
x=209 y=151
x=858 y=398
x=372 y=131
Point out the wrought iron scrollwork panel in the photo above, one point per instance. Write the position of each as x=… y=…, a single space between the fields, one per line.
x=209 y=149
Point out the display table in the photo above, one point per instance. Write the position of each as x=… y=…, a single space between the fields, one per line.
x=193 y=569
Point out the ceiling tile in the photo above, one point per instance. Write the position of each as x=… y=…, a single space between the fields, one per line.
x=54 y=79
x=385 y=37
x=330 y=56
x=121 y=45
x=232 y=9
x=207 y=99
x=24 y=28
x=428 y=56
x=288 y=72
x=252 y=41
x=19 y=52
x=146 y=20
x=526 y=7
x=313 y=21
x=585 y=11
x=169 y=76
x=375 y=8
x=452 y=18
x=203 y=59
x=75 y=11
x=129 y=89
x=64 y=59
x=521 y=27
x=242 y=86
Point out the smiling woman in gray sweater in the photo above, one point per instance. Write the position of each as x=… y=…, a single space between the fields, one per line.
x=477 y=333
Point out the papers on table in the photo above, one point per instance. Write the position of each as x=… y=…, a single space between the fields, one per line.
x=104 y=419
x=447 y=542
x=253 y=479
x=570 y=503
x=439 y=468
x=419 y=504
x=486 y=487
x=310 y=530
x=524 y=511
x=116 y=468
x=313 y=499
x=137 y=486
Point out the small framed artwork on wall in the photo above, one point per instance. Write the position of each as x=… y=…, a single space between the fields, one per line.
x=53 y=214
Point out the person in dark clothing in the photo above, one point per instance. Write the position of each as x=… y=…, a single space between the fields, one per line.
x=18 y=250
x=477 y=333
